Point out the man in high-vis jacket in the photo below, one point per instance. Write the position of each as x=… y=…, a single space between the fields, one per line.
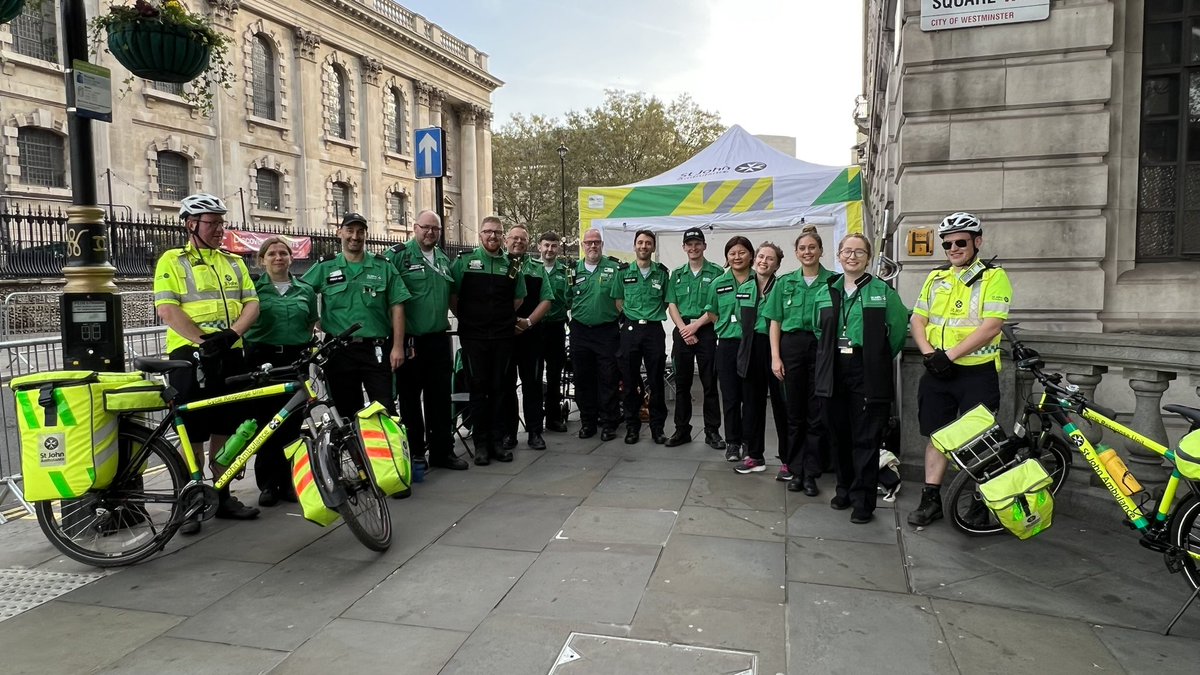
x=206 y=298
x=956 y=324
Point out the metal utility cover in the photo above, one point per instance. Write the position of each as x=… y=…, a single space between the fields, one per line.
x=585 y=654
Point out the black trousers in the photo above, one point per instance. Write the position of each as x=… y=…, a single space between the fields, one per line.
x=701 y=356
x=487 y=363
x=528 y=364
x=644 y=343
x=423 y=385
x=759 y=382
x=594 y=361
x=856 y=428
x=271 y=469
x=731 y=388
x=554 y=350
x=355 y=368
x=805 y=426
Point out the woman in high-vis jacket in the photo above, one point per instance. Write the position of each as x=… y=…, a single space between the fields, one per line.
x=861 y=327
x=723 y=305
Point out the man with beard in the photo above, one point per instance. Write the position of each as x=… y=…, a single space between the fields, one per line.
x=528 y=360
x=595 y=339
x=640 y=293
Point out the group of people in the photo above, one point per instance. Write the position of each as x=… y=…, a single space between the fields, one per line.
x=819 y=345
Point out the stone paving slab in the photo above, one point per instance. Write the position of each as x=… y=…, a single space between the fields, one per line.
x=522 y=459
x=512 y=521
x=444 y=587
x=415 y=524
x=276 y=534
x=732 y=523
x=192 y=657
x=557 y=479
x=845 y=563
x=727 y=489
x=38 y=641
x=610 y=525
x=519 y=645
x=719 y=567
x=368 y=647
x=635 y=492
x=600 y=655
x=819 y=521
x=468 y=486
x=1145 y=652
x=642 y=467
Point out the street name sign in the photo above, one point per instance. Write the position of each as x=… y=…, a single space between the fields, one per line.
x=950 y=14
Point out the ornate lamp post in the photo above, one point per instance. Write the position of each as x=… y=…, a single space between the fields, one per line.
x=562 y=174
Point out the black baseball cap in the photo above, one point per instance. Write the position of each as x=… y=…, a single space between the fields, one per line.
x=353 y=219
x=694 y=233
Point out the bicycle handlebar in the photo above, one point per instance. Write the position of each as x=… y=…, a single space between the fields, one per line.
x=269 y=372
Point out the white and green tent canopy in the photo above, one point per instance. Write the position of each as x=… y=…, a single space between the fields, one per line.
x=737 y=185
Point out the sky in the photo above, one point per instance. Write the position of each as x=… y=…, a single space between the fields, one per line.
x=780 y=67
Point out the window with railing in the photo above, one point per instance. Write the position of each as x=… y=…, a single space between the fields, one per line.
x=35 y=32
x=1168 y=216
x=172 y=176
x=267 y=185
x=341 y=199
x=41 y=158
x=263 y=86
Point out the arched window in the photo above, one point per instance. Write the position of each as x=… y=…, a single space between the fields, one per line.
x=395 y=119
x=341 y=199
x=267 y=185
x=41 y=157
x=172 y=175
x=35 y=32
x=337 y=107
x=263 y=86
x=398 y=209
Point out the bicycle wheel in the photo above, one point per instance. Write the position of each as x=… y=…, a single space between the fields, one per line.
x=1185 y=535
x=124 y=523
x=966 y=510
x=365 y=508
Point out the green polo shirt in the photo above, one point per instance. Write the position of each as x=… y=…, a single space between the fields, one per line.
x=644 y=295
x=875 y=294
x=592 y=302
x=357 y=293
x=283 y=320
x=427 y=311
x=688 y=291
x=791 y=301
x=533 y=269
x=725 y=301
x=561 y=277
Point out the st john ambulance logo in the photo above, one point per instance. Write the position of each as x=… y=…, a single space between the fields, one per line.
x=750 y=167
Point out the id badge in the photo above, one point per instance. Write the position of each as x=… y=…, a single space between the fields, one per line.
x=378 y=354
x=844 y=346
x=733 y=318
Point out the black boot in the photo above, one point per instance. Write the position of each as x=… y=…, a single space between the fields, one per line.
x=930 y=508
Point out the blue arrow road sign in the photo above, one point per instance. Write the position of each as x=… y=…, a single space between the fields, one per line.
x=429 y=152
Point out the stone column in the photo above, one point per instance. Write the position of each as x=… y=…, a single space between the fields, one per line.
x=484 y=143
x=1148 y=386
x=468 y=179
x=310 y=183
x=424 y=191
x=373 y=203
x=1087 y=378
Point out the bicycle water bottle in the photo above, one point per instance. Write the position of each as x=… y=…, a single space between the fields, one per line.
x=236 y=442
x=1119 y=472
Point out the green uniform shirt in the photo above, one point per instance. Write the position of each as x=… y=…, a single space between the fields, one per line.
x=560 y=278
x=486 y=286
x=762 y=324
x=689 y=292
x=357 y=293
x=532 y=268
x=479 y=261
x=791 y=301
x=644 y=295
x=875 y=294
x=427 y=311
x=725 y=298
x=283 y=320
x=592 y=302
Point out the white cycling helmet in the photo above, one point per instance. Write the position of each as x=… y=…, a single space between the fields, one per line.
x=960 y=222
x=199 y=204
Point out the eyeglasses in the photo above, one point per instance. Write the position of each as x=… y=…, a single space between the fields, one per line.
x=808 y=249
x=430 y=228
x=215 y=223
x=491 y=233
x=955 y=243
x=853 y=253
x=592 y=243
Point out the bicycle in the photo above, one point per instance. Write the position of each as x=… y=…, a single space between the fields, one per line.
x=157 y=486
x=1171 y=526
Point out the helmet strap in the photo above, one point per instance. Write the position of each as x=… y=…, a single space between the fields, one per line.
x=194 y=236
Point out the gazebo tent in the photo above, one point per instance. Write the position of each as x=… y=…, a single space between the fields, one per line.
x=737 y=185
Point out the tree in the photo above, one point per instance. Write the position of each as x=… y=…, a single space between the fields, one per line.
x=630 y=137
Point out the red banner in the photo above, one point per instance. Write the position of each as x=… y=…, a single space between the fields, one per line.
x=242 y=242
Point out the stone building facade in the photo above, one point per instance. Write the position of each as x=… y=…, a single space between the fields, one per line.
x=319 y=121
x=1076 y=138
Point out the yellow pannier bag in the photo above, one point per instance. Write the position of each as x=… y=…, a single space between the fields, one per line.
x=68 y=439
x=140 y=396
x=1021 y=499
x=964 y=431
x=1187 y=456
x=385 y=441
x=312 y=502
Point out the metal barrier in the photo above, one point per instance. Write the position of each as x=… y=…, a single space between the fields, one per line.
x=33 y=355
x=36 y=313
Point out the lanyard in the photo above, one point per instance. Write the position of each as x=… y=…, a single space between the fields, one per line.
x=847 y=306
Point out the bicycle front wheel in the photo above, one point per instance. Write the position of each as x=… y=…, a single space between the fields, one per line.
x=1185 y=535
x=128 y=521
x=964 y=504
x=365 y=507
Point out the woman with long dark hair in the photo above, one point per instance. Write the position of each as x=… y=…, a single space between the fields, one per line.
x=754 y=365
x=725 y=295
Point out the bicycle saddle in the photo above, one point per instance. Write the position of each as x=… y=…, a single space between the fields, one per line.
x=1192 y=415
x=157 y=366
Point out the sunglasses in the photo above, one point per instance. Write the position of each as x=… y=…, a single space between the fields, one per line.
x=955 y=243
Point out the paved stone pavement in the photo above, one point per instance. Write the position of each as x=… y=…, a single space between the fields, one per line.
x=597 y=557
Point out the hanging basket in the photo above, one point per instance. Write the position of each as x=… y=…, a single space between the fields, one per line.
x=159 y=51
x=10 y=9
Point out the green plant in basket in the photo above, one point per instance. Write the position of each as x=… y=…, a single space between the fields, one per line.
x=163 y=41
